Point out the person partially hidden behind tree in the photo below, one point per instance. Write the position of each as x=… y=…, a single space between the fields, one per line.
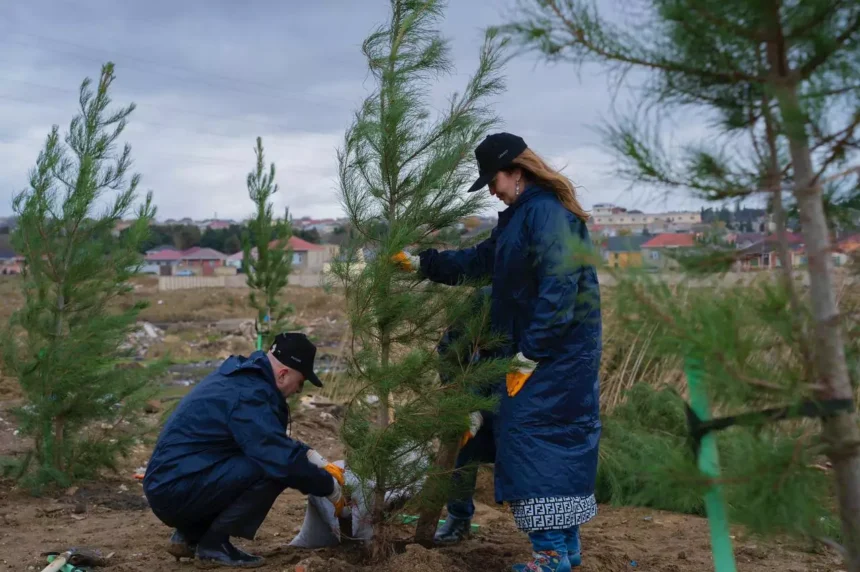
x=224 y=455
x=479 y=447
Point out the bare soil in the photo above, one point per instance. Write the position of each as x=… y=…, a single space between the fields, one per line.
x=112 y=515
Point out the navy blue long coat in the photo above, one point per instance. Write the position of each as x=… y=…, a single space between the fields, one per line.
x=226 y=434
x=547 y=302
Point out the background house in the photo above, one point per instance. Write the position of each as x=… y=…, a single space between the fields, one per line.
x=10 y=263
x=762 y=255
x=195 y=261
x=657 y=252
x=624 y=251
x=309 y=260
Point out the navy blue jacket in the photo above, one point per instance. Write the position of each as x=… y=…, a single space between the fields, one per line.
x=548 y=305
x=234 y=415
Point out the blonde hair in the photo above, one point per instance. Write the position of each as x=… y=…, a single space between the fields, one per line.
x=540 y=173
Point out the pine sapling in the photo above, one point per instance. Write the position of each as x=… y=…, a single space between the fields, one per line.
x=402 y=173
x=267 y=259
x=65 y=345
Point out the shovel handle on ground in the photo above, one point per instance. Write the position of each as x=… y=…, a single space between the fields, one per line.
x=59 y=562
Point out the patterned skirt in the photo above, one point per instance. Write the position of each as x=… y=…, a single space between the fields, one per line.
x=553 y=513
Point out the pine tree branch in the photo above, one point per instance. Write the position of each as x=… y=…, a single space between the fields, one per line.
x=820 y=57
x=813 y=23
x=842 y=139
x=581 y=37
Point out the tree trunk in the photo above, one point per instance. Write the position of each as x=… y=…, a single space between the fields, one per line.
x=431 y=508
x=59 y=433
x=382 y=421
x=841 y=432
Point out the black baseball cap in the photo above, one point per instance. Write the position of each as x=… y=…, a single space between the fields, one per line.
x=297 y=352
x=496 y=152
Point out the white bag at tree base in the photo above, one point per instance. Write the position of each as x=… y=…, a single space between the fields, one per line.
x=321 y=528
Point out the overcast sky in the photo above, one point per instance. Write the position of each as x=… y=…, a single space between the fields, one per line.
x=209 y=76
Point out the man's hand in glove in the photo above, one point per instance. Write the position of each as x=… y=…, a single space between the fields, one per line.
x=407 y=262
x=520 y=374
x=319 y=461
x=476 y=420
x=337 y=498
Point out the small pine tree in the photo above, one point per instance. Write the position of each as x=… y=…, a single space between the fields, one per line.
x=401 y=178
x=65 y=344
x=781 y=77
x=267 y=259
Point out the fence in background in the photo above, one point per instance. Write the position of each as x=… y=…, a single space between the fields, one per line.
x=167 y=283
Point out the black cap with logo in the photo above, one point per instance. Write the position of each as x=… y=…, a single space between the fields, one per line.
x=496 y=152
x=297 y=352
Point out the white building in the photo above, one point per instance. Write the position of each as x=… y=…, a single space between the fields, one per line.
x=613 y=218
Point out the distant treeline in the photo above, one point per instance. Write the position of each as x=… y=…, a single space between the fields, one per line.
x=227 y=240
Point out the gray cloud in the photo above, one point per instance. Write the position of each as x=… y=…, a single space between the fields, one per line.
x=208 y=76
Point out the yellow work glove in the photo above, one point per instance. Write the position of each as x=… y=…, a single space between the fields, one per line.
x=476 y=420
x=407 y=262
x=336 y=472
x=520 y=374
x=337 y=498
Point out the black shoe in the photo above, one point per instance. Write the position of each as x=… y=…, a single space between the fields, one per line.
x=453 y=530
x=179 y=546
x=225 y=555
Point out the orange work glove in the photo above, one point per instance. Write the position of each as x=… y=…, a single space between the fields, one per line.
x=476 y=420
x=520 y=374
x=336 y=472
x=407 y=262
x=337 y=498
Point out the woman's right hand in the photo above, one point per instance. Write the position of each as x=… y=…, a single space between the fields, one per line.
x=406 y=261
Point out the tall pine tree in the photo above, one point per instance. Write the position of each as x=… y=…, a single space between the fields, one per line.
x=267 y=259
x=65 y=344
x=789 y=71
x=402 y=175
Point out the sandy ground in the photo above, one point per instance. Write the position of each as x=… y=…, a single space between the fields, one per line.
x=112 y=515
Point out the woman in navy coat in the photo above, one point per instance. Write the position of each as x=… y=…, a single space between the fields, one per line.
x=546 y=300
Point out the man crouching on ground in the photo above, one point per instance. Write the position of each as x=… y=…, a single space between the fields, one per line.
x=224 y=456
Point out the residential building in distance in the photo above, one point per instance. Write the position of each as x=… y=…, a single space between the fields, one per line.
x=10 y=262
x=309 y=260
x=195 y=261
x=610 y=220
x=624 y=251
x=763 y=254
x=656 y=252
x=322 y=226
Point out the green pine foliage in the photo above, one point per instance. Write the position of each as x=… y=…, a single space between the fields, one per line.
x=778 y=82
x=267 y=259
x=772 y=477
x=65 y=345
x=402 y=174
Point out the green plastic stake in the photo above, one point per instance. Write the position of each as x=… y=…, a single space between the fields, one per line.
x=709 y=465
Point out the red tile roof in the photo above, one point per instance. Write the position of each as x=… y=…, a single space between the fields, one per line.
x=299 y=245
x=194 y=253
x=670 y=240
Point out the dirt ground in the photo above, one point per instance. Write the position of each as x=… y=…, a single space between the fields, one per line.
x=112 y=515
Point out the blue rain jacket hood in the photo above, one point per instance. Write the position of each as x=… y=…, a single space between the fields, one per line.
x=547 y=302
x=234 y=415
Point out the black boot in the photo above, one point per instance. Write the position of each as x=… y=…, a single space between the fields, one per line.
x=224 y=554
x=180 y=547
x=453 y=530
x=242 y=518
